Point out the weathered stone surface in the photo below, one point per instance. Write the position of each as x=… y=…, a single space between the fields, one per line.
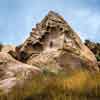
x=7 y=48
x=14 y=73
x=54 y=43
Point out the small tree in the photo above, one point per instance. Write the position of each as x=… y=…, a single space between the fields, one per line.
x=98 y=57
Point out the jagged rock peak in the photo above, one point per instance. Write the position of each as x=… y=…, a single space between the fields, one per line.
x=54 y=16
x=52 y=23
x=53 y=37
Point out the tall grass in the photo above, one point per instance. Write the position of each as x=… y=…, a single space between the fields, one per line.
x=78 y=85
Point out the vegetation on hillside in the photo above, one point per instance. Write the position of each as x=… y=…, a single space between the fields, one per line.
x=77 y=85
x=1 y=46
x=94 y=47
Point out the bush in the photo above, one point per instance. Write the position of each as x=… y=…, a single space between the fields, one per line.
x=98 y=57
x=1 y=46
x=94 y=47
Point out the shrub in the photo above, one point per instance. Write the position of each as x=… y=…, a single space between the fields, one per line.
x=98 y=57
x=1 y=46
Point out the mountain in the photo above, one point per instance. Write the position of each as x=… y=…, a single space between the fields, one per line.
x=44 y=61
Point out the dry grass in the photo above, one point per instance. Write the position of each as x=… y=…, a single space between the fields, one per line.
x=79 y=85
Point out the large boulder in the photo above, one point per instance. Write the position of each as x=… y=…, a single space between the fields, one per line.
x=54 y=45
x=14 y=75
x=7 y=48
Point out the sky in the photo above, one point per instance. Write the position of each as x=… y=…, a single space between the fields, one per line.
x=17 y=17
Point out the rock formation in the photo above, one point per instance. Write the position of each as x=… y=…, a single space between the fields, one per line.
x=54 y=43
x=52 y=46
x=7 y=48
x=13 y=76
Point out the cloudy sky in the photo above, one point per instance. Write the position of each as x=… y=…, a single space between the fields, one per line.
x=17 y=17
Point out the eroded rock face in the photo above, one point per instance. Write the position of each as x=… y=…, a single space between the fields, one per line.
x=14 y=73
x=7 y=48
x=54 y=43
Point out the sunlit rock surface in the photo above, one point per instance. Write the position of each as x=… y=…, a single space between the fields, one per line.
x=13 y=72
x=54 y=40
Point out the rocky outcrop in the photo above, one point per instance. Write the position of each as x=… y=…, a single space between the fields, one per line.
x=54 y=43
x=7 y=48
x=14 y=74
